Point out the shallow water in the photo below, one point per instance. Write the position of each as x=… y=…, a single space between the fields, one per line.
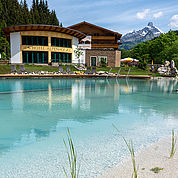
x=35 y=113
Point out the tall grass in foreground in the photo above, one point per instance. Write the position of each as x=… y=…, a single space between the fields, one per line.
x=173 y=145
x=131 y=150
x=72 y=157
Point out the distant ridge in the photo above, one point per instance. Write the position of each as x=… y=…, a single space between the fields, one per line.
x=147 y=33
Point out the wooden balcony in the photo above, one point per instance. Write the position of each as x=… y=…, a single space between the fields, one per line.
x=105 y=46
x=103 y=38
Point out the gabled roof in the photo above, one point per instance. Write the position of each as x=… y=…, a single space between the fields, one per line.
x=37 y=27
x=89 y=24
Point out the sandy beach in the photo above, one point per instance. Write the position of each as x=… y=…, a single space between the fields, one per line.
x=155 y=155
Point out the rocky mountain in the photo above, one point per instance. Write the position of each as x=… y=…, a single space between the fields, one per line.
x=147 y=33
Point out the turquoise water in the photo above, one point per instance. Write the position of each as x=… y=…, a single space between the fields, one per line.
x=35 y=113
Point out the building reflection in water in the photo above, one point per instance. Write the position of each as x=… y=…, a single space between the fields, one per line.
x=82 y=101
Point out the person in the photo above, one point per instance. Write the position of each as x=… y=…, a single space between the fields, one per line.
x=152 y=67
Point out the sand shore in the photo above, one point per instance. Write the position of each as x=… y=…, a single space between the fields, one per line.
x=155 y=155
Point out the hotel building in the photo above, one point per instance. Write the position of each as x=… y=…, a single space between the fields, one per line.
x=45 y=44
x=42 y=44
x=99 y=44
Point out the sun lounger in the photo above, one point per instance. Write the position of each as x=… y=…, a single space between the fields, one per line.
x=93 y=70
x=61 y=70
x=69 y=71
x=13 y=69
x=88 y=71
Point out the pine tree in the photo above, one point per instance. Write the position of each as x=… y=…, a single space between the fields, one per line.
x=53 y=18
x=14 y=13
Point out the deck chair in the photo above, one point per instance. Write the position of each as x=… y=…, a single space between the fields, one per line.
x=61 y=70
x=13 y=69
x=22 y=68
x=88 y=71
x=69 y=71
x=93 y=70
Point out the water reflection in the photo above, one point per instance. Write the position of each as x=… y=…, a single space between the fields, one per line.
x=36 y=114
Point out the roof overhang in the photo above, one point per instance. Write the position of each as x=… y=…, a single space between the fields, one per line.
x=51 y=28
x=92 y=25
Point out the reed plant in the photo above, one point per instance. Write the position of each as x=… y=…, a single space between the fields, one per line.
x=72 y=158
x=132 y=153
x=173 y=144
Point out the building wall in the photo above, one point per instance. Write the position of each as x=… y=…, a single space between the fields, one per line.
x=113 y=56
x=74 y=47
x=118 y=58
x=85 y=43
x=15 y=40
x=17 y=47
x=83 y=56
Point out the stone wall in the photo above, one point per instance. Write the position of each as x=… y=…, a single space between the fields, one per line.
x=113 y=56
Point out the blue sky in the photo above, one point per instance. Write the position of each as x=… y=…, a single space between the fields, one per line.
x=122 y=16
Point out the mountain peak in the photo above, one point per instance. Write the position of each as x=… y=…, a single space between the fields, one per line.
x=150 y=24
x=147 y=33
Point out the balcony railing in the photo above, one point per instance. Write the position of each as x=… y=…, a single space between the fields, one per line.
x=103 y=37
x=105 y=45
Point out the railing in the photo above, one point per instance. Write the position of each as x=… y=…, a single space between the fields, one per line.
x=103 y=37
x=105 y=45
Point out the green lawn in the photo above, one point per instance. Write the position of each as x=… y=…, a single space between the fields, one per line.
x=5 y=68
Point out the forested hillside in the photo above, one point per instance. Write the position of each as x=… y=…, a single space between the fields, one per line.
x=161 y=49
x=14 y=13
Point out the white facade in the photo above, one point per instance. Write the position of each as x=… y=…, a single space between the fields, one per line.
x=15 y=48
x=82 y=57
x=75 y=60
x=74 y=47
x=85 y=43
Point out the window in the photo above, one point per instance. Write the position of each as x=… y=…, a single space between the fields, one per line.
x=61 y=42
x=35 y=57
x=35 y=40
x=61 y=57
x=102 y=60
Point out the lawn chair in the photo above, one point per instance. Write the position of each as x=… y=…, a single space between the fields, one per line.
x=61 y=70
x=69 y=71
x=13 y=69
x=88 y=71
x=93 y=70
x=22 y=68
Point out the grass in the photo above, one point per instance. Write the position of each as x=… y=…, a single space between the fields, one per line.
x=124 y=70
x=72 y=158
x=173 y=144
x=132 y=152
x=5 y=68
x=156 y=170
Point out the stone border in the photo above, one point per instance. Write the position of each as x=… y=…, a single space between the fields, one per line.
x=26 y=76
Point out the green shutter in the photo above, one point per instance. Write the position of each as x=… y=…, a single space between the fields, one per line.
x=32 y=58
x=55 y=57
x=37 y=57
x=27 y=57
x=60 y=57
x=43 y=57
x=67 y=58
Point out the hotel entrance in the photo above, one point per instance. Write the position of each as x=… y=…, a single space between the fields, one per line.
x=93 y=61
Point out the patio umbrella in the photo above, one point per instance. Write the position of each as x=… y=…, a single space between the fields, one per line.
x=128 y=59
x=135 y=60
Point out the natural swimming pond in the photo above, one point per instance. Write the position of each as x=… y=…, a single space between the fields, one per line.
x=35 y=113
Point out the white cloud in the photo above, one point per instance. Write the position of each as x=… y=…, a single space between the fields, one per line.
x=157 y=15
x=142 y=15
x=174 y=21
